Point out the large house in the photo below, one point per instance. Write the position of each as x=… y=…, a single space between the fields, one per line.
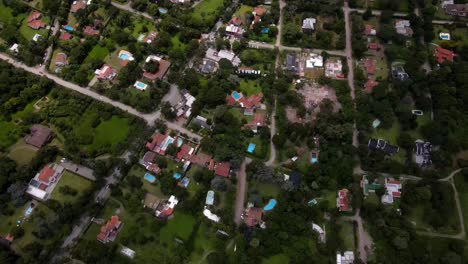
x=105 y=73
x=41 y=186
x=258 y=120
x=292 y=63
x=216 y=56
x=456 y=9
x=375 y=144
x=222 y=169
x=253 y=217
x=166 y=208
x=393 y=190
x=162 y=70
x=34 y=20
x=159 y=143
x=403 y=27
x=61 y=59
x=78 y=5
x=342 y=201
x=423 y=153
x=39 y=136
x=308 y=25
x=442 y=55
x=253 y=101
x=110 y=230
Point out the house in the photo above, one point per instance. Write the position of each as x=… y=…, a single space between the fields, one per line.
x=180 y=1
x=253 y=101
x=201 y=121
x=110 y=230
x=216 y=56
x=393 y=190
x=399 y=73
x=234 y=30
x=403 y=27
x=162 y=70
x=444 y=3
x=39 y=136
x=105 y=73
x=368 y=187
x=36 y=24
x=423 y=152
x=150 y=37
x=457 y=9
x=166 y=208
x=41 y=186
x=36 y=37
x=65 y=36
x=334 y=69
x=308 y=25
x=185 y=153
x=149 y=162
x=258 y=11
x=14 y=48
x=342 y=201
x=253 y=216
x=222 y=169
x=368 y=64
x=204 y=160
x=249 y=71
x=375 y=144
x=61 y=59
x=369 y=85
x=151 y=201
x=258 y=120
x=128 y=252
x=236 y=21
x=159 y=143
x=442 y=55
x=295 y=179
x=184 y=107
x=369 y=30
x=90 y=31
x=314 y=61
x=208 y=67
x=77 y=5
x=207 y=212
x=374 y=46
x=346 y=258
x=292 y=63
x=34 y=16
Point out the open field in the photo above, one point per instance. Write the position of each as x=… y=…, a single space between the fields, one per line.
x=74 y=181
x=206 y=10
x=250 y=87
x=178 y=227
x=22 y=153
x=97 y=53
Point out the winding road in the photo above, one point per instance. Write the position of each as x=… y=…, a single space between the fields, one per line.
x=150 y=118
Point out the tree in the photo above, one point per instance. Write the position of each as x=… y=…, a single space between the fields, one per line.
x=368 y=14
x=152 y=66
x=167 y=112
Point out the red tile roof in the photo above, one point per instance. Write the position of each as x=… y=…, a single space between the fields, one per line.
x=246 y=102
x=156 y=142
x=61 y=58
x=222 y=169
x=368 y=29
x=163 y=67
x=109 y=229
x=34 y=16
x=185 y=152
x=258 y=120
x=36 y=24
x=65 y=36
x=90 y=31
x=236 y=21
x=77 y=5
x=374 y=46
x=369 y=85
x=443 y=55
x=343 y=200
x=46 y=174
x=106 y=72
x=202 y=159
x=253 y=216
x=230 y=100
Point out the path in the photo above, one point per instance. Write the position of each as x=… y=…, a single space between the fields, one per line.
x=272 y=158
x=149 y=117
x=128 y=8
x=240 y=193
x=364 y=239
x=282 y=4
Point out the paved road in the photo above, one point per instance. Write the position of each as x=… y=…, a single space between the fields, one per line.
x=272 y=158
x=402 y=15
x=261 y=45
x=128 y=8
x=240 y=193
x=149 y=117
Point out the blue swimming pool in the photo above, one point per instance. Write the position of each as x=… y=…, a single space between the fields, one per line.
x=236 y=95
x=162 y=10
x=68 y=28
x=271 y=204
x=179 y=142
x=167 y=143
x=265 y=30
x=177 y=176
x=124 y=56
x=251 y=148
x=150 y=178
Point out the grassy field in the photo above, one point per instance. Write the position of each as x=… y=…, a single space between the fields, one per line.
x=206 y=9
x=391 y=135
x=22 y=153
x=180 y=226
x=244 y=9
x=250 y=87
x=267 y=190
x=462 y=189
x=205 y=242
x=347 y=234
x=97 y=53
x=8 y=134
x=5 y=13
x=138 y=24
x=276 y=259
x=111 y=131
x=74 y=181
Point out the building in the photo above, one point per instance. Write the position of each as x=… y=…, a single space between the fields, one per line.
x=222 y=169
x=457 y=9
x=65 y=36
x=201 y=121
x=442 y=55
x=150 y=37
x=236 y=21
x=253 y=217
x=380 y=144
x=314 y=61
x=399 y=73
x=185 y=153
x=159 y=143
x=403 y=27
x=166 y=208
x=34 y=20
x=392 y=191
x=216 y=56
x=35 y=15
x=61 y=59
x=36 y=37
x=78 y=5
x=374 y=46
x=110 y=230
x=258 y=120
x=149 y=162
x=308 y=25
x=184 y=107
x=105 y=73
x=369 y=66
x=39 y=136
x=342 y=201
x=207 y=212
x=128 y=252
x=41 y=186
x=423 y=152
x=162 y=70
x=234 y=30
x=253 y=101
x=248 y=71
x=334 y=69
x=208 y=67
x=204 y=160
x=346 y=258
x=14 y=48
x=369 y=30
x=292 y=63
x=320 y=231
x=368 y=187
x=91 y=31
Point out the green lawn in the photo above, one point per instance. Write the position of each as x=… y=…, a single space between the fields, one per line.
x=29 y=33
x=244 y=9
x=267 y=190
x=74 y=181
x=276 y=259
x=250 y=87
x=111 y=132
x=462 y=189
x=28 y=109
x=22 y=153
x=180 y=226
x=206 y=10
x=8 y=134
x=347 y=234
x=5 y=13
x=97 y=53
x=138 y=24
x=391 y=135
x=262 y=148
x=205 y=241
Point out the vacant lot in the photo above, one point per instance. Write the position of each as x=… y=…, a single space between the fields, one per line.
x=74 y=181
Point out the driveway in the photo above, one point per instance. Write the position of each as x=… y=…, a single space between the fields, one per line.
x=240 y=193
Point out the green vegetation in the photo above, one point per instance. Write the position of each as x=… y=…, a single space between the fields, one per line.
x=250 y=87
x=277 y=259
x=73 y=181
x=207 y=10
x=97 y=53
x=22 y=153
x=180 y=227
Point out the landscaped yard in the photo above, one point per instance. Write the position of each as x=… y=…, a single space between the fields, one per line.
x=74 y=181
x=22 y=153
x=206 y=10
x=97 y=53
x=250 y=87
x=29 y=33
x=8 y=134
x=391 y=135
x=244 y=9
x=347 y=234
x=180 y=226
x=462 y=189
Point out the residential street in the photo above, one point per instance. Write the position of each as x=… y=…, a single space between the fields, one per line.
x=272 y=158
x=128 y=8
x=149 y=118
x=240 y=193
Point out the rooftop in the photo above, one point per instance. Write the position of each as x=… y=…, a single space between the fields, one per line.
x=39 y=135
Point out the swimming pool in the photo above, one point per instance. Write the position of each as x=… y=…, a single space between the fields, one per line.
x=68 y=28
x=236 y=95
x=251 y=148
x=179 y=142
x=150 y=178
x=271 y=204
x=177 y=176
x=124 y=56
x=162 y=10
x=167 y=143
x=265 y=30
x=140 y=86
x=314 y=158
